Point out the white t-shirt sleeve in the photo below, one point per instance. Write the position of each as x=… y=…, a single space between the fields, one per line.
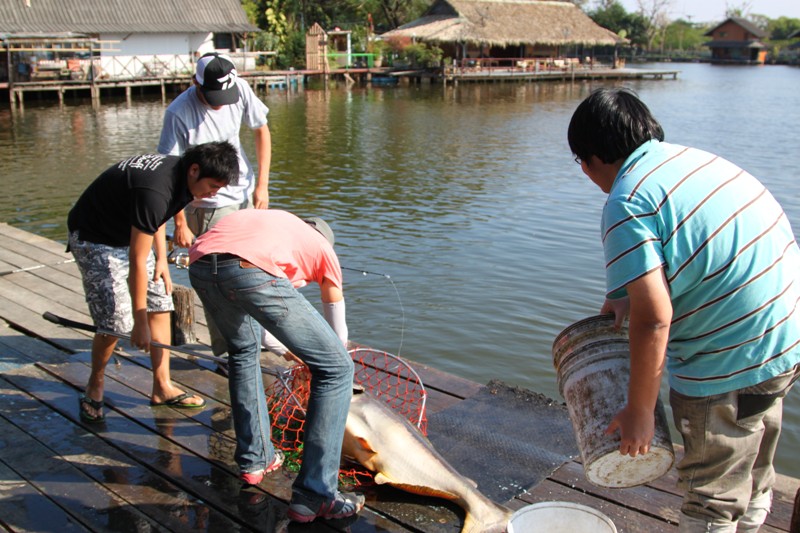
x=255 y=111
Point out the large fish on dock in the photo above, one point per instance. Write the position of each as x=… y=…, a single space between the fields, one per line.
x=399 y=454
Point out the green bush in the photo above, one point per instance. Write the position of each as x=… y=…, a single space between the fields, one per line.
x=293 y=53
x=420 y=55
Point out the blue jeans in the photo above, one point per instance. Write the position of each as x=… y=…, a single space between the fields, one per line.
x=199 y=220
x=241 y=300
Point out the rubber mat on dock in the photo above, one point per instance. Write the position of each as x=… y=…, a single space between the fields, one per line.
x=507 y=439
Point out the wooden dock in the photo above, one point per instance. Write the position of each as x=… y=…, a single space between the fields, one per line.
x=95 y=88
x=492 y=74
x=564 y=74
x=295 y=78
x=167 y=470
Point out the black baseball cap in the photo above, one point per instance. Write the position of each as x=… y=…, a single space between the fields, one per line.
x=216 y=79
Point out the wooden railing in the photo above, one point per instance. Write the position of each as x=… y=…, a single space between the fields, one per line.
x=532 y=64
x=122 y=67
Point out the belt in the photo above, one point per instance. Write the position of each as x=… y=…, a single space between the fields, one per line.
x=215 y=259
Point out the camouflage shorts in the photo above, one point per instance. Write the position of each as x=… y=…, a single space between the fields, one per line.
x=104 y=270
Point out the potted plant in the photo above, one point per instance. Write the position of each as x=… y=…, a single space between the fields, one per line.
x=379 y=49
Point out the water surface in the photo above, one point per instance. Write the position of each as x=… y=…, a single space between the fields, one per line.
x=467 y=197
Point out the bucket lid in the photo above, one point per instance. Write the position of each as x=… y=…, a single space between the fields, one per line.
x=617 y=471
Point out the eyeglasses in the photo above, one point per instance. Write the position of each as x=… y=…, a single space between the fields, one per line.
x=577 y=159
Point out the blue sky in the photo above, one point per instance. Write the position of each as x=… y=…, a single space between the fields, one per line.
x=714 y=10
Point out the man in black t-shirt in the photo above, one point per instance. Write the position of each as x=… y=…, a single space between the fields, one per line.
x=113 y=228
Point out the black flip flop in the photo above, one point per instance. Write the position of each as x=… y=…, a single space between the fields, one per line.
x=176 y=402
x=94 y=404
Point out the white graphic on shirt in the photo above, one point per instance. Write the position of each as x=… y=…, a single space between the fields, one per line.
x=143 y=162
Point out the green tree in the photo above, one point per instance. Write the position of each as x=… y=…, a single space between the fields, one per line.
x=654 y=12
x=682 y=36
x=782 y=27
x=389 y=14
x=612 y=15
x=739 y=9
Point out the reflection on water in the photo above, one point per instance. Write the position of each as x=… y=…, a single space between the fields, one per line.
x=467 y=197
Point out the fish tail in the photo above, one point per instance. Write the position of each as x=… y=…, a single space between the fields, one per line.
x=497 y=523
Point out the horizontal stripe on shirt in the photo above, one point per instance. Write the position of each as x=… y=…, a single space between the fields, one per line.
x=729 y=256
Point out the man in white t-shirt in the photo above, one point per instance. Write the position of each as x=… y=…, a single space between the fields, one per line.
x=214 y=109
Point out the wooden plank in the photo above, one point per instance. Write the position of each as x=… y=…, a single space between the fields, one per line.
x=34 y=245
x=54 y=273
x=175 y=478
x=17 y=349
x=23 y=255
x=71 y=297
x=38 y=301
x=645 y=499
x=24 y=509
x=127 y=389
x=31 y=321
x=50 y=474
x=426 y=514
x=31 y=238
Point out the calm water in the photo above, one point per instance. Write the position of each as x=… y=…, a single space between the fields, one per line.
x=467 y=198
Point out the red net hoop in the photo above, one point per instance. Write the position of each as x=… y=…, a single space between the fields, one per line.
x=384 y=375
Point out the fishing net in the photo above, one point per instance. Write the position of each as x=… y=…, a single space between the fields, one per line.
x=384 y=375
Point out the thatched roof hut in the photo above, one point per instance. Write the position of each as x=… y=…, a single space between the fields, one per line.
x=123 y=17
x=503 y=23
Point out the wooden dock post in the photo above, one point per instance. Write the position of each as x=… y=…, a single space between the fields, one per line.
x=182 y=319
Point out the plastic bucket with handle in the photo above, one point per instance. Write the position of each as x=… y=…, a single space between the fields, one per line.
x=592 y=362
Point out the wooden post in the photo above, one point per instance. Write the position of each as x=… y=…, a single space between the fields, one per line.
x=183 y=316
x=794 y=526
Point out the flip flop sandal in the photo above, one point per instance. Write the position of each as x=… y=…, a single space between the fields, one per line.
x=177 y=402
x=84 y=400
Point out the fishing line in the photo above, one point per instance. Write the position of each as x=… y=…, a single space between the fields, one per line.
x=36 y=267
x=399 y=301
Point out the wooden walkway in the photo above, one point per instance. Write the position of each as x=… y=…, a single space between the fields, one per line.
x=492 y=74
x=94 y=89
x=168 y=470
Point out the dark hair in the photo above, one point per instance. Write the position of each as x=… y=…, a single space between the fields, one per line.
x=611 y=124
x=217 y=160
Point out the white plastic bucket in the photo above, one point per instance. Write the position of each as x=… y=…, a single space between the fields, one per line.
x=592 y=361
x=559 y=517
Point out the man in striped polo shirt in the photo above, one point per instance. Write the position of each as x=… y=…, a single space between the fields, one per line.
x=702 y=261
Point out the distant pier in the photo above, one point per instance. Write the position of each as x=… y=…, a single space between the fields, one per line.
x=96 y=88
x=479 y=71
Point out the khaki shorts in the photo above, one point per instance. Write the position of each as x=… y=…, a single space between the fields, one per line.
x=104 y=270
x=730 y=441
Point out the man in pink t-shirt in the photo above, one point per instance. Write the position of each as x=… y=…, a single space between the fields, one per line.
x=246 y=271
